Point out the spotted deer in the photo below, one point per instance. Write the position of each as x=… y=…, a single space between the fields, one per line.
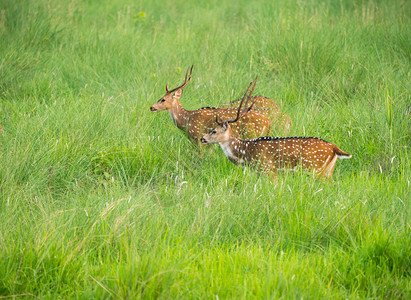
x=271 y=154
x=281 y=122
x=200 y=121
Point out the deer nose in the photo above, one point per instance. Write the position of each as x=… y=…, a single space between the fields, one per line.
x=152 y=108
x=203 y=140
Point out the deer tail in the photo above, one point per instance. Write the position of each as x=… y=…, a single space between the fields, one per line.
x=341 y=154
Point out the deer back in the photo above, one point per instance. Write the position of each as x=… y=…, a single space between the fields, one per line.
x=281 y=123
x=261 y=103
x=252 y=125
x=288 y=153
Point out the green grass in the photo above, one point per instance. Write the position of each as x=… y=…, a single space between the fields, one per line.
x=101 y=198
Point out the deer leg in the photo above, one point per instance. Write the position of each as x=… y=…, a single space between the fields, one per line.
x=321 y=170
x=271 y=171
x=272 y=174
x=329 y=168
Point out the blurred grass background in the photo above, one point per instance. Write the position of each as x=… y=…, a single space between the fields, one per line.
x=101 y=198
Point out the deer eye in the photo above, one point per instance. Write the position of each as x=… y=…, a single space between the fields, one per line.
x=213 y=132
x=162 y=100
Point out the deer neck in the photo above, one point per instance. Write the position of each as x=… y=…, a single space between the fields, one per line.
x=234 y=148
x=179 y=115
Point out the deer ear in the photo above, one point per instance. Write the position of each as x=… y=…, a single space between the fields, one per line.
x=178 y=94
x=225 y=126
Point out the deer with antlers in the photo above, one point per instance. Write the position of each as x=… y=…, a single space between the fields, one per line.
x=200 y=121
x=270 y=154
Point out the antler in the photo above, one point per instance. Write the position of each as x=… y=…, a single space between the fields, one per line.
x=246 y=110
x=185 y=81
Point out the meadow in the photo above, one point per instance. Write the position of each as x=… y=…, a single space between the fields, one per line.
x=102 y=198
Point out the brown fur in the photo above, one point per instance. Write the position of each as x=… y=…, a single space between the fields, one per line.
x=198 y=122
x=281 y=122
x=270 y=154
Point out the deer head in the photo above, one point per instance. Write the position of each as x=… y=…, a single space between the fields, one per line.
x=222 y=132
x=166 y=102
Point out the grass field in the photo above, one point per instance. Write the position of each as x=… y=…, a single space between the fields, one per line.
x=101 y=198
